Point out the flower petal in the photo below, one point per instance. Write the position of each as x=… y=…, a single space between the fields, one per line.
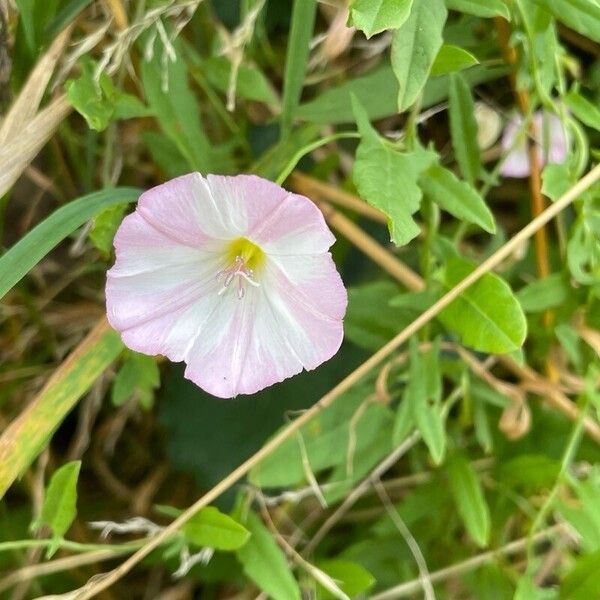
x=292 y=321
x=550 y=137
x=278 y=221
x=516 y=162
x=185 y=210
x=155 y=286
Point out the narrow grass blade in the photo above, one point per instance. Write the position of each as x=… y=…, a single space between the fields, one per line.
x=303 y=20
x=25 y=437
x=28 y=251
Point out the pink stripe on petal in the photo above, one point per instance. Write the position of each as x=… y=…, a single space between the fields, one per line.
x=185 y=210
x=278 y=221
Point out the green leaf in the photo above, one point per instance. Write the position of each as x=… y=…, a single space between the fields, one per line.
x=296 y=61
x=542 y=294
x=414 y=48
x=211 y=528
x=30 y=249
x=387 y=179
x=581 y=15
x=582 y=581
x=582 y=108
x=487 y=315
x=88 y=98
x=128 y=106
x=418 y=395
x=60 y=502
x=456 y=197
x=451 y=59
x=265 y=564
x=480 y=8
x=105 y=226
x=375 y=16
x=556 y=180
x=468 y=496
x=352 y=578
x=334 y=105
x=138 y=375
x=404 y=423
x=463 y=129
x=176 y=109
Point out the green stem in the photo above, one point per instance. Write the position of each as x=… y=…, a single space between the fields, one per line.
x=291 y=165
x=566 y=461
x=68 y=545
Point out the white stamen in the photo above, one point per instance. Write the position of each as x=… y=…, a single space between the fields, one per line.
x=242 y=272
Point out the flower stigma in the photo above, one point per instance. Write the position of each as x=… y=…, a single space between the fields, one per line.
x=244 y=258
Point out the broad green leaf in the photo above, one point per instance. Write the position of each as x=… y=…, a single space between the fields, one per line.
x=30 y=249
x=105 y=226
x=60 y=502
x=265 y=564
x=352 y=578
x=581 y=15
x=463 y=129
x=542 y=294
x=375 y=16
x=582 y=108
x=487 y=315
x=177 y=111
x=99 y=101
x=334 y=105
x=582 y=581
x=138 y=375
x=89 y=99
x=211 y=528
x=296 y=61
x=22 y=441
x=451 y=59
x=387 y=179
x=414 y=48
x=556 y=180
x=427 y=416
x=480 y=8
x=456 y=197
x=469 y=498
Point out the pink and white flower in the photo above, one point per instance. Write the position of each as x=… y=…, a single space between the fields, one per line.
x=550 y=138
x=231 y=275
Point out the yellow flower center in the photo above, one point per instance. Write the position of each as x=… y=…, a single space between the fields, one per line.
x=252 y=255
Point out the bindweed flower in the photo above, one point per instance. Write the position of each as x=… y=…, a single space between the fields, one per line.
x=231 y=275
x=550 y=138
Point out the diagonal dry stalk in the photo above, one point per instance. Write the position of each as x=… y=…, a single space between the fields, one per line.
x=405 y=590
x=103 y=582
x=534 y=382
